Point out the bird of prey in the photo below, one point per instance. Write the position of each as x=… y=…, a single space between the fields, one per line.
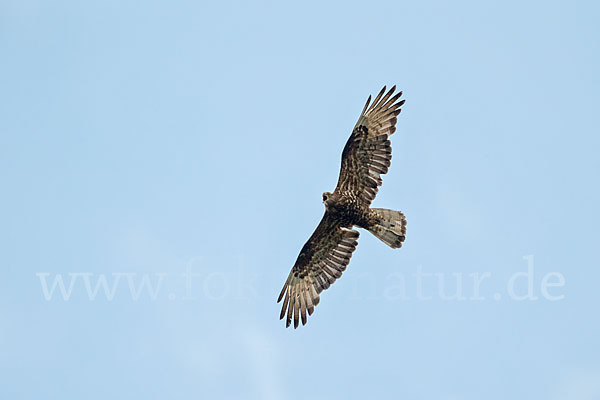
x=366 y=156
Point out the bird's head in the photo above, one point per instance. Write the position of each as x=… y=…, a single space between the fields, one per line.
x=327 y=198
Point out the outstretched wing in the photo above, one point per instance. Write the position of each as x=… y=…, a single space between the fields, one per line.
x=368 y=152
x=321 y=261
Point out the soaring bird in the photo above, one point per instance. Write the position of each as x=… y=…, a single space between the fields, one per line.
x=366 y=156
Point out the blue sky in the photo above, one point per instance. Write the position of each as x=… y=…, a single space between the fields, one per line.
x=177 y=151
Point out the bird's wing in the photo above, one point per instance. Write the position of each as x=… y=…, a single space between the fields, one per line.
x=321 y=261
x=368 y=153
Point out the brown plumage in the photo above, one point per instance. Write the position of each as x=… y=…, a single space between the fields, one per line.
x=366 y=156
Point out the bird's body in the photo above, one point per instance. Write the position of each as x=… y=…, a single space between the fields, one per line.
x=348 y=210
x=327 y=252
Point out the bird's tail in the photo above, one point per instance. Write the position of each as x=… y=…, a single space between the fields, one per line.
x=390 y=227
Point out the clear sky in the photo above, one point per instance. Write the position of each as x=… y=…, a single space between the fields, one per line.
x=177 y=152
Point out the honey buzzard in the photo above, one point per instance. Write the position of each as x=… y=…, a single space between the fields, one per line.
x=326 y=254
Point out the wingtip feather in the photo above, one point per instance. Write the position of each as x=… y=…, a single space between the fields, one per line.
x=366 y=105
x=282 y=292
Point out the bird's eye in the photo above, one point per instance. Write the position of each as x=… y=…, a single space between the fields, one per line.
x=324 y=198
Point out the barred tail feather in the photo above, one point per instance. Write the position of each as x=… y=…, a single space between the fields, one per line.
x=390 y=227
